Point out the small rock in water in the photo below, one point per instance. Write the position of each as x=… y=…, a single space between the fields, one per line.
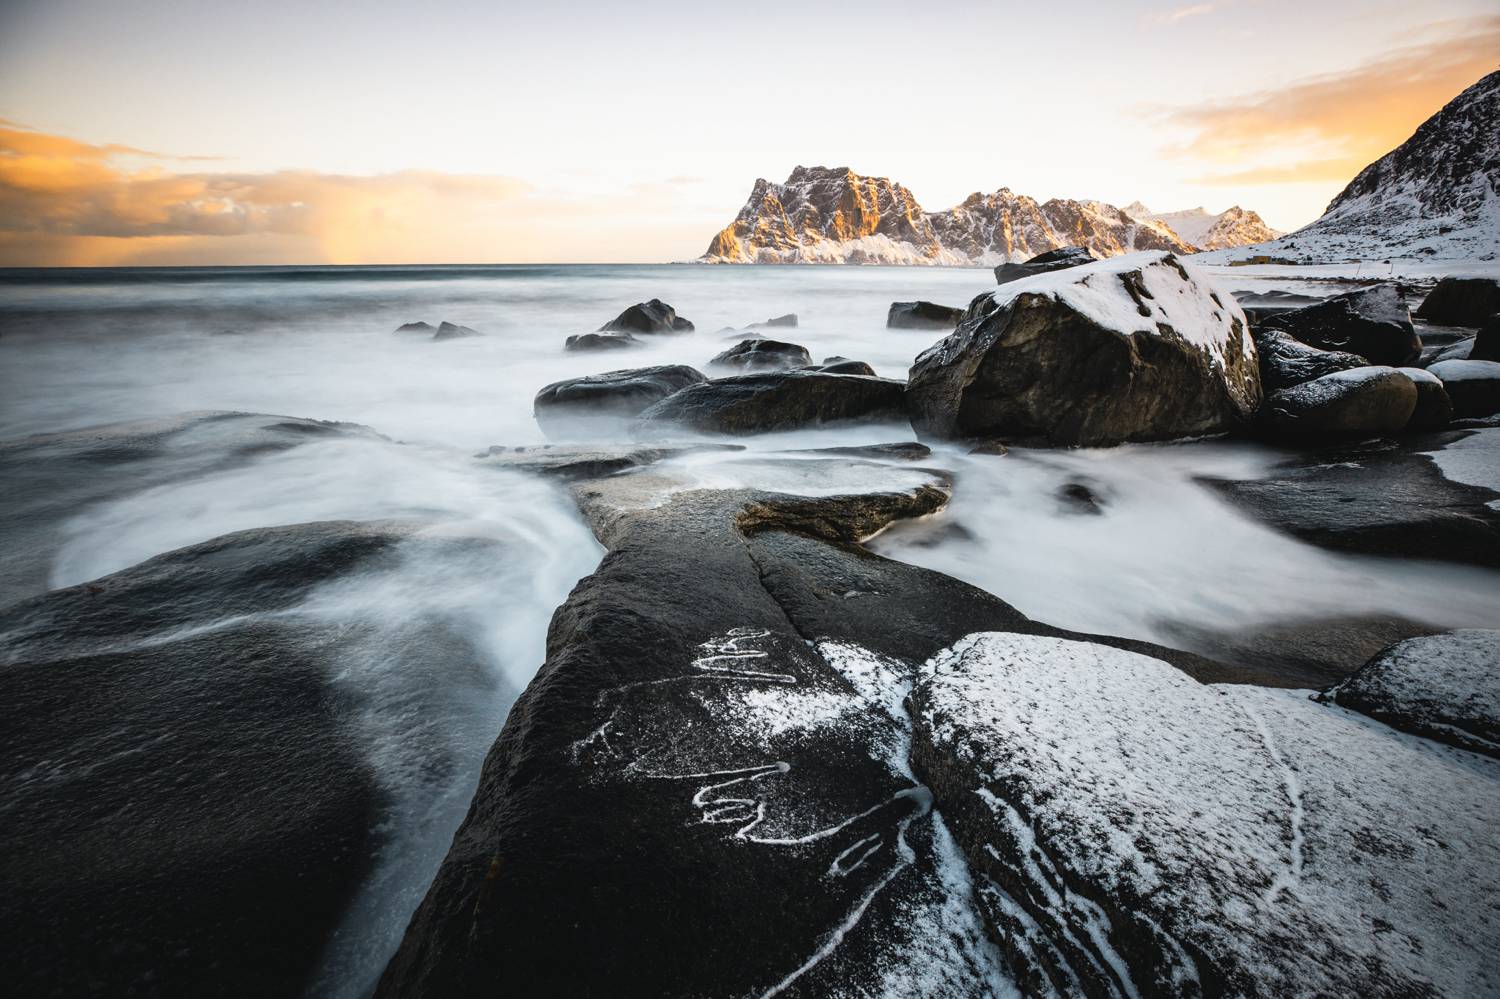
x=453 y=331
x=922 y=316
x=1079 y=497
x=589 y=402
x=426 y=329
x=763 y=355
x=599 y=341
x=654 y=316
x=788 y=320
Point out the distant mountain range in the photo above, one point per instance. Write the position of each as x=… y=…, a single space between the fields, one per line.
x=836 y=216
x=1435 y=195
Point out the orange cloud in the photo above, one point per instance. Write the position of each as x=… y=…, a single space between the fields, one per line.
x=1331 y=127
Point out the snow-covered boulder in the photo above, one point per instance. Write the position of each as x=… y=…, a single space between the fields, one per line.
x=1139 y=347
x=1286 y=361
x=1446 y=687
x=1133 y=832
x=1434 y=408
x=1369 y=400
x=1372 y=322
x=1461 y=301
x=1474 y=386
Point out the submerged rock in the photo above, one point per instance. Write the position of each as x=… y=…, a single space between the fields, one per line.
x=844 y=366
x=654 y=316
x=1189 y=839
x=1286 y=361
x=1474 y=386
x=426 y=329
x=596 y=401
x=600 y=341
x=1372 y=322
x=1042 y=263
x=1133 y=348
x=453 y=331
x=789 y=320
x=1445 y=687
x=922 y=316
x=1369 y=400
x=1461 y=301
x=763 y=355
x=783 y=400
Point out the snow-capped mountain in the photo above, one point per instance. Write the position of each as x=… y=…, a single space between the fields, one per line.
x=1435 y=195
x=834 y=215
x=1201 y=228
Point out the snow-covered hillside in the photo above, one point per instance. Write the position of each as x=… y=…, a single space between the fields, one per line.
x=1204 y=230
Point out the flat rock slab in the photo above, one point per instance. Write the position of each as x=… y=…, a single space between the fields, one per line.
x=1136 y=833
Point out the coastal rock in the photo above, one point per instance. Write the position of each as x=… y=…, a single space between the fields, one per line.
x=1486 y=345
x=789 y=320
x=1462 y=301
x=1203 y=840
x=453 y=331
x=844 y=366
x=654 y=316
x=596 y=402
x=1434 y=408
x=1372 y=322
x=1445 y=687
x=191 y=806
x=1286 y=361
x=763 y=355
x=572 y=464
x=922 y=316
x=1474 y=386
x=782 y=400
x=600 y=341
x=1369 y=400
x=1460 y=350
x=1043 y=263
x=425 y=329
x=1132 y=348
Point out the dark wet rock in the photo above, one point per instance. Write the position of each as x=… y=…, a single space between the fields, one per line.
x=600 y=400
x=1042 y=263
x=1445 y=687
x=52 y=478
x=1189 y=839
x=1372 y=322
x=190 y=805
x=600 y=341
x=902 y=450
x=1261 y=305
x=711 y=764
x=844 y=366
x=922 y=316
x=654 y=316
x=1286 y=361
x=426 y=329
x=1080 y=497
x=1098 y=355
x=763 y=355
x=1379 y=498
x=1474 y=386
x=453 y=331
x=1360 y=401
x=571 y=464
x=1486 y=346
x=782 y=400
x=789 y=320
x=1434 y=408
x=1461 y=301
x=1459 y=351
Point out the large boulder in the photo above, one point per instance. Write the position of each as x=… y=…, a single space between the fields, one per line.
x=1372 y=322
x=922 y=316
x=1486 y=346
x=763 y=355
x=654 y=316
x=596 y=401
x=1474 y=386
x=1135 y=832
x=1461 y=301
x=1369 y=400
x=1286 y=361
x=1138 y=347
x=1445 y=687
x=1434 y=408
x=782 y=400
x=1042 y=263
x=589 y=342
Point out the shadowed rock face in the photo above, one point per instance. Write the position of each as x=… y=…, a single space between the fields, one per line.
x=654 y=316
x=1461 y=301
x=922 y=316
x=1367 y=400
x=189 y=808
x=1047 y=363
x=1043 y=263
x=611 y=396
x=783 y=400
x=1286 y=361
x=1372 y=322
x=704 y=792
x=1473 y=386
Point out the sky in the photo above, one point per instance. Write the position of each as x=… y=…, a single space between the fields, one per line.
x=216 y=132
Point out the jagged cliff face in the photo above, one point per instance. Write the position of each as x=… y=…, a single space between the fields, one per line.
x=822 y=215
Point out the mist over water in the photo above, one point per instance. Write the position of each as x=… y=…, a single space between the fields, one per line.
x=100 y=347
